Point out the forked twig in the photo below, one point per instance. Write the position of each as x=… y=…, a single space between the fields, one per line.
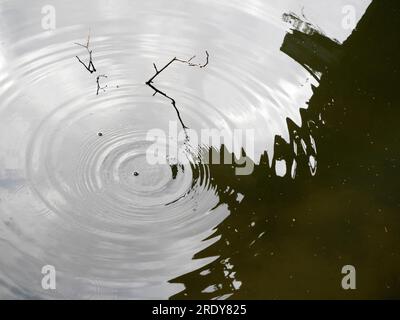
x=175 y=59
x=90 y=67
x=188 y=62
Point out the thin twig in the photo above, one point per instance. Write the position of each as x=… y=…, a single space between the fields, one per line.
x=98 y=84
x=207 y=58
x=172 y=102
x=155 y=67
x=188 y=62
x=90 y=67
x=175 y=59
x=159 y=71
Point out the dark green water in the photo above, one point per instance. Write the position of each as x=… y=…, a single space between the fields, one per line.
x=349 y=212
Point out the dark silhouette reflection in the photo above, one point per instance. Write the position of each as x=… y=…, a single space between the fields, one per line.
x=309 y=47
x=290 y=238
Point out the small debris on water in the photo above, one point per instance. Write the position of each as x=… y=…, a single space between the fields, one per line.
x=136 y=174
x=100 y=134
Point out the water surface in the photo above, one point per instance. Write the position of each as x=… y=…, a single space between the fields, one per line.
x=76 y=189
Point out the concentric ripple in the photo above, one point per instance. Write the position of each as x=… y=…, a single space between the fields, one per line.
x=110 y=178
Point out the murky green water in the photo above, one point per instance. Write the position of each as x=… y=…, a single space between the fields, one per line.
x=77 y=191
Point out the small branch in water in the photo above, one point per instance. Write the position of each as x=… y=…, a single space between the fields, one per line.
x=175 y=59
x=159 y=71
x=90 y=67
x=191 y=64
x=188 y=62
x=172 y=102
x=98 y=84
